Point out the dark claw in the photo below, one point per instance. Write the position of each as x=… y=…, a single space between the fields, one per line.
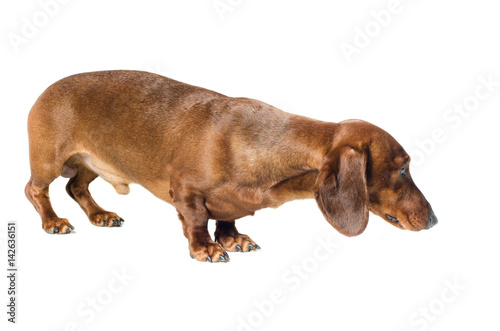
x=115 y=222
x=71 y=227
x=191 y=255
x=250 y=247
x=222 y=258
x=209 y=259
x=56 y=229
x=226 y=255
x=105 y=223
x=238 y=248
x=122 y=220
x=257 y=246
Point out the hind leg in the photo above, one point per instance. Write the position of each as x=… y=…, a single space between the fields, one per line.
x=37 y=192
x=78 y=189
x=50 y=145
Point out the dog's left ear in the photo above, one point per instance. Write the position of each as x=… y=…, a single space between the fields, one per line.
x=341 y=190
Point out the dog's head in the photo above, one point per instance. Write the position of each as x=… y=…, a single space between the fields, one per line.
x=368 y=170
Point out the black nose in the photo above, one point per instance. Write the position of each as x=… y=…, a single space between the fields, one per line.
x=433 y=220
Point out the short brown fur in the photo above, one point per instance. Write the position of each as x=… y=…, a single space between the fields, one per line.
x=212 y=157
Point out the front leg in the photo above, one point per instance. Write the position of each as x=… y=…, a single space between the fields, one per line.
x=194 y=217
x=229 y=237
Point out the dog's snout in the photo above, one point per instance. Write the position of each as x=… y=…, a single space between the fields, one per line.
x=433 y=220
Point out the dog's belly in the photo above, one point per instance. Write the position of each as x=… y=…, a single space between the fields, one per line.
x=108 y=172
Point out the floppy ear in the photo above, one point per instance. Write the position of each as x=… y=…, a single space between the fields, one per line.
x=341 y=191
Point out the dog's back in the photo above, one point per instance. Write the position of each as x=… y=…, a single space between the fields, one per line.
x=112 y=119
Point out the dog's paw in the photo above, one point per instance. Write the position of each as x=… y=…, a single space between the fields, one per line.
x=57 y=226
x=237 y=243
x=106 y=219
x=210 y=252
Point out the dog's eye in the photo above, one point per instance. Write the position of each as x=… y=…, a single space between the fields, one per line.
x=404 y=172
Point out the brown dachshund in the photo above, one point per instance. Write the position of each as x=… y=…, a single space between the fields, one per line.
x=212 y=157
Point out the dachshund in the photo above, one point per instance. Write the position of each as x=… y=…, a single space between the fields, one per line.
x=211 y=157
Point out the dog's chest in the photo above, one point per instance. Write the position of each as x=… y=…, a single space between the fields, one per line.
x=231 y=203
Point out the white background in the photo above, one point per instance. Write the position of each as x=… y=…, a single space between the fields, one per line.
x=427 y=59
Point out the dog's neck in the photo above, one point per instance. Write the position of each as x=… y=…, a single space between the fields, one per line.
x=315 y=136
x=296 y=170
